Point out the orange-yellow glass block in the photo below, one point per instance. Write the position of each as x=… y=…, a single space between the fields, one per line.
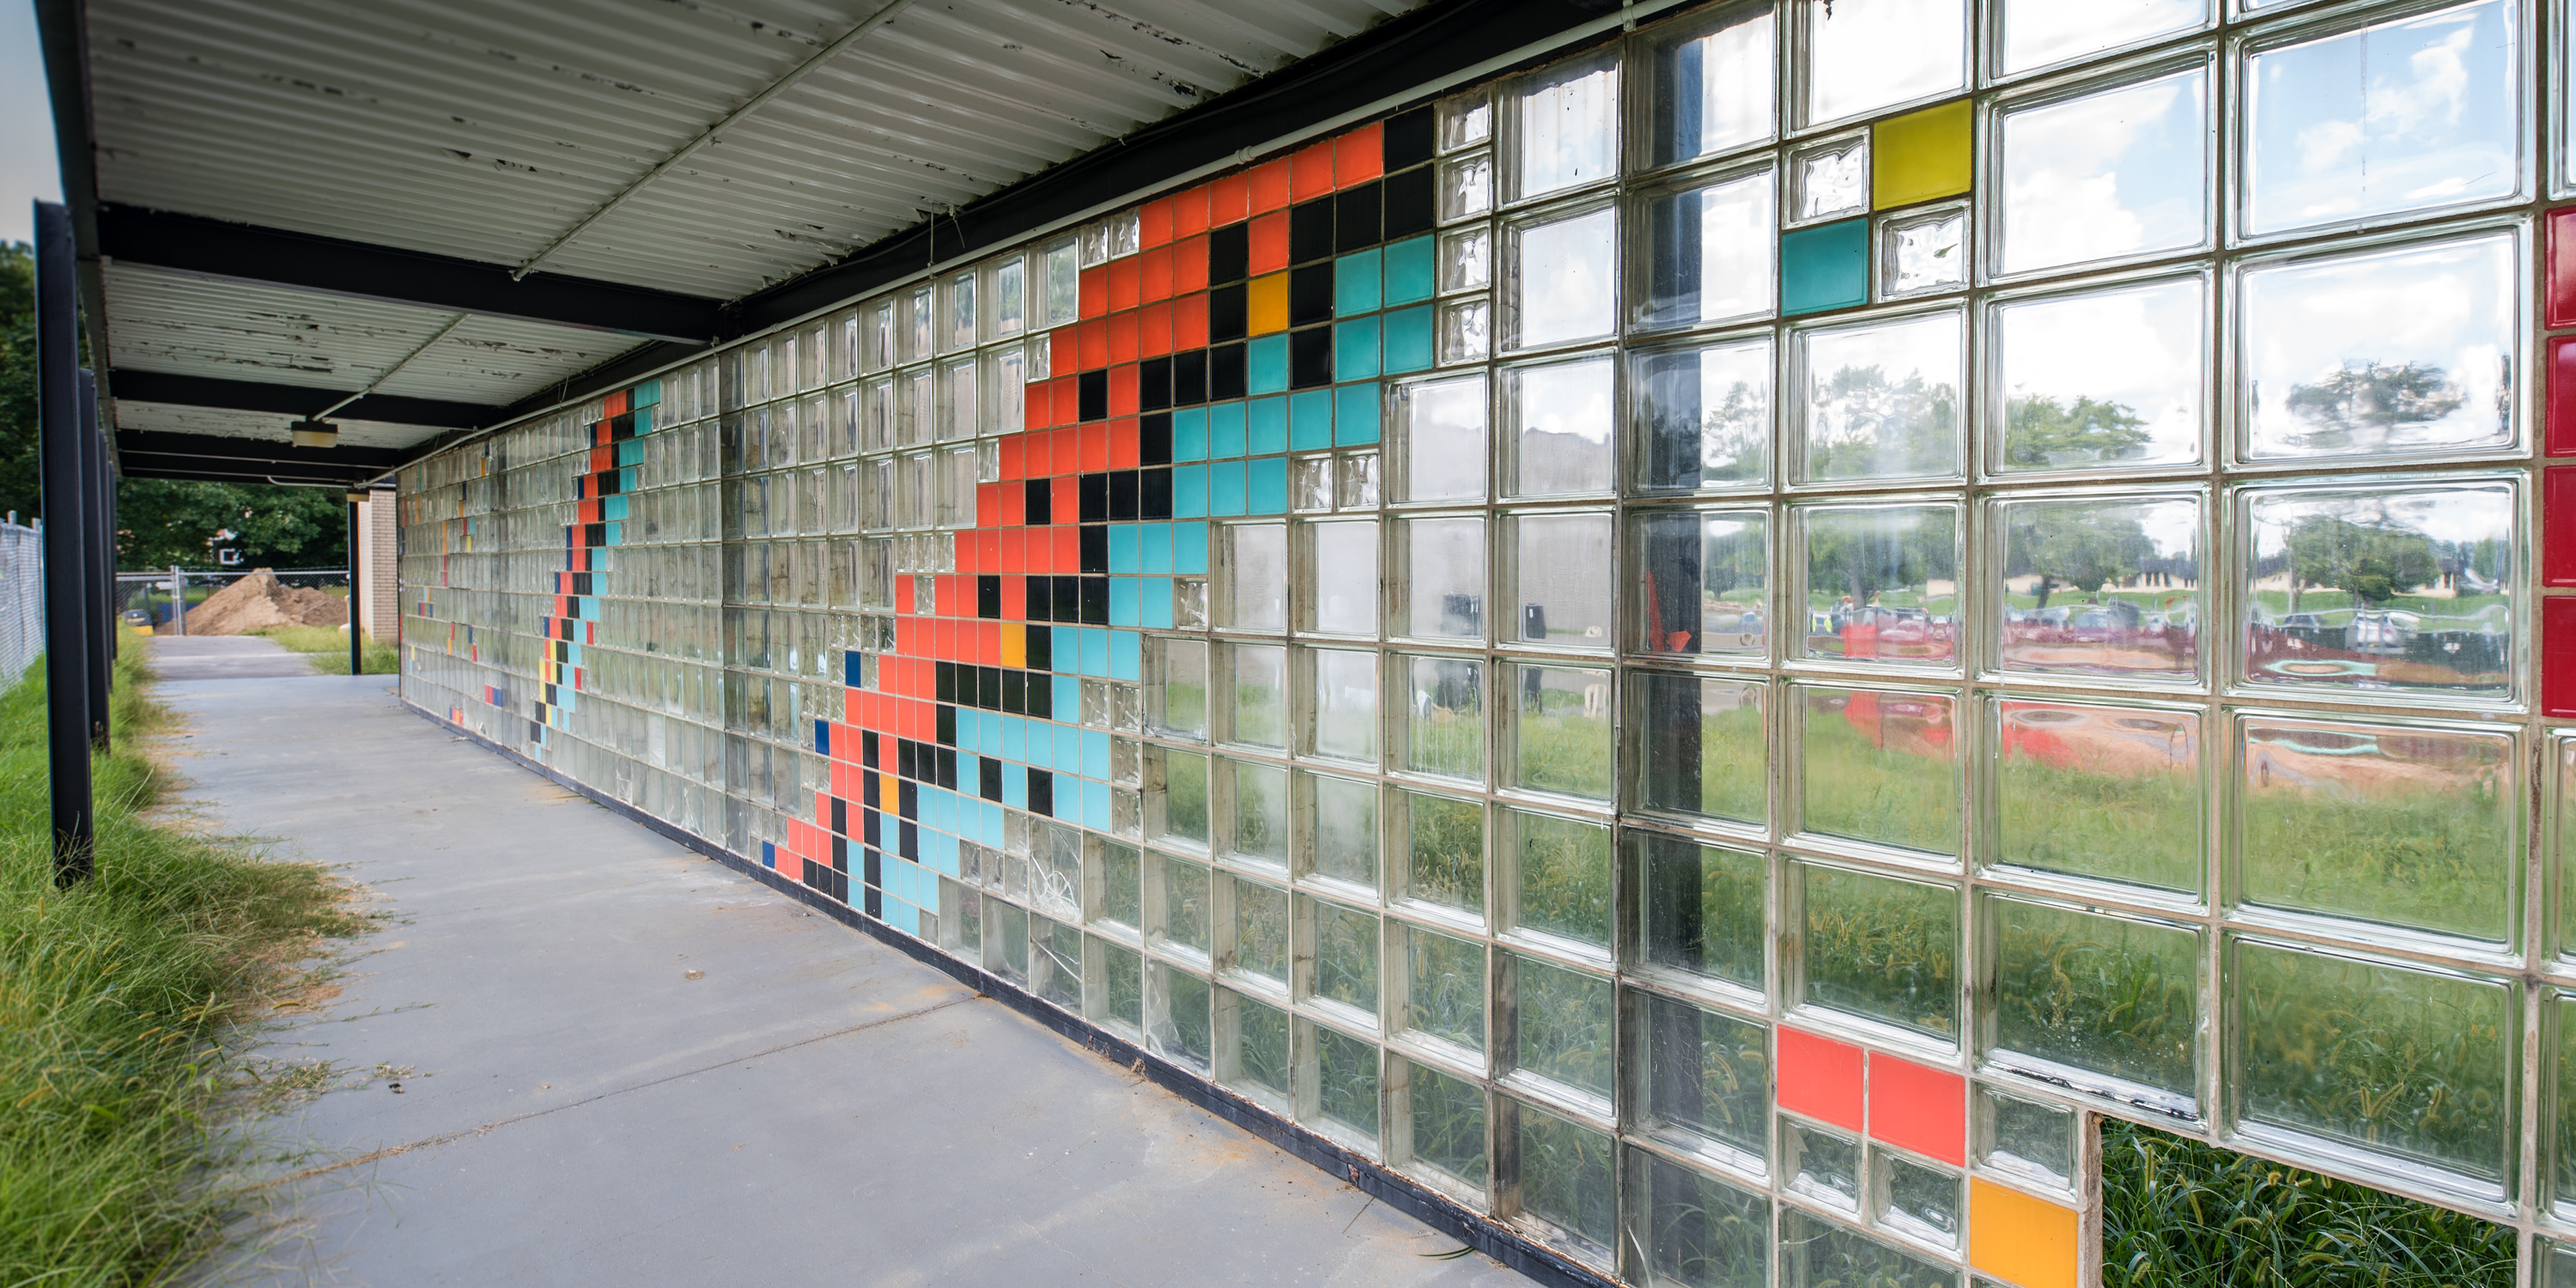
x=1920 y=155
x=1266 y=304
x=2012 y=1236
x=1015 y=645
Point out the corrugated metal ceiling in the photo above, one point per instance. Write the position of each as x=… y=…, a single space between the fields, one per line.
x=170 y=418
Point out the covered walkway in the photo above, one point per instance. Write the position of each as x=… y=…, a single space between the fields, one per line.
x=578 y=1054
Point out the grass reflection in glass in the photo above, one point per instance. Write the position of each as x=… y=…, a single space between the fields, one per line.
x=1880 y=767
x=2112 y=995
x=1261 y=931
x=1346 y=957
x=1881 y=948
x=1708 y=1073
x=1564 y=739
x=1564 y=869
x=1562 y=1025
x=1696 y=1230
x=1260 y=1044
x=1445 y=989
x=1346 y=1080
x=1816 y=1253
x=1703 y=907
x=1122 y=984
x=1181 y=1029
x=1700 y=746
x=1565 y=1175
x=1445 y=839
x=2107 y=792
x=1185 y=796
x=1448 y=1124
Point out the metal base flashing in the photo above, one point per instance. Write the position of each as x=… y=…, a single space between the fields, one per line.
x=1486 y=1235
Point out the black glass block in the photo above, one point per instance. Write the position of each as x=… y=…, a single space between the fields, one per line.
x=1228 y=312
x=1189 y=378
x=1094 y=491
x=988 y=595
x=1093 y=388
x=988 y=687
x=1095 y=601
x=1154 y=494
x=1408 y=203
x=1408 y=139
x=875 y=903
x=1154 y=439
x=1041 y=658
x=1068 y=600
x=903 y=758
x=1355 y=218
x=868 y=750
x=907 y=799
x=1310 y=294
x=910 y=835
x=1154 y=384
x=948 y=763
x=1122 y=498
x=872 y=873
x=1041 y=695
x=871 y=827
x=1041 y=597
x=1037 y=502
x=1015 y=692
x=947 y=726
x=841 y=885
x=1095 y=550
x=1042 y=792
x=1310 y=230
x=1225 y=373
x=989 y=772
x=1310 y=357
x=840 y=854
x=943 y=681
x=1229 y=253
x=840 y=817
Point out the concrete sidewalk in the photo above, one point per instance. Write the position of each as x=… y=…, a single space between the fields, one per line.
x=222 y=657
x=621 y=1063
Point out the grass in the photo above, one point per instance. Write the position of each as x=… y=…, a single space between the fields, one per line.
x=116 y=1079
x=327 y=648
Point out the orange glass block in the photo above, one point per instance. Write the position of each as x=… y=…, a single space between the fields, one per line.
x=1190 y=212
x=1266 y=304
x=1122 y=444
x=1190 y=266
x=1268 y=243
x=1064 y=346
x=1068 y=548
x=1126 y=283
x=1068 y=392
x=1230 y=200
x=903 y=601
x=1037 y=408
x=1360 y=155
x=1122 y=400
x=1095 y=345
x=1122 y=338
x=1156 y=268
x=1154 y=330
x=988 y=643
x=943 y=595
x=1819 y=1077
x=1011 y=454
x=1010 y=507
x=943 y=639
x=1922 y=1109
x=1190 y=322
x=1015 y=588
x=1014 y=646
x=2011 y=1235
x=1093 y=291
x=1154 y=224
x=1014 y=560
x=1270 y=186
x=1311 y=172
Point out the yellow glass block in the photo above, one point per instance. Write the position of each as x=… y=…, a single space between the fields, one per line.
x=1015 y=645
x=889 y=793
x=1920 y=155
x=1266 y=304
x=2011 y=1235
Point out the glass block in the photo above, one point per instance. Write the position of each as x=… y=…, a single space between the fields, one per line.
x=1447 y=1117
x=1466 y=330
x=1881 y=399
x=1708 y=252
x=1466 y=186
x=1556 y=424
x=2113 y=174
x=1707 y=1077
x=1693 y=1230
x=2101 y=378
x=1561 y=579
x=1345 y=722
x=1254 y=577
x=1346 y=1078
x=2415 y=112
x=1815 y=1252
x=1260 y=815
x=1563 y=277
x=1562 y=1021
x=2032 y=1141
x=1565 y=1179
x=1183 y=921
x=1440 y=440
x=1821 y=1164
x=1253 y=1047
x=2039 y=33
x=1862 y=55
x=1465 y=120
x=1563 y=739
x=1055 y=873
x=1466 y=259
x=1701 y=907
x=1879 y=947
x=1704 y=413
x=1338 y=587
x=1923 y=253
x=2405 y=825
x=1560 y=876
x=1006 y=942
x=1190 y=603
x=2404 y=588
x=1881 y=582
x=1341 y=833
x=1355 y=485
x=1701 y=577
x=2413 y=1064
x=1346 y=947
x=1120 y=899
x=1922 y=155
x=2102 y=586
x=1829 y=179
x=1444 y=722
x=2323 y=376
x=1711 y=84
x=1177 y=1020
x=1179 y=695
x=1055 y=962
x=1566 y=120
x=1117 y=997
x=1260 y=679
x=1310 y=483
x=1442 y=591
x=2112 y=793
x=1260 y=935
x=1441 y=843
x=2102 y=1003
x=1698 y=745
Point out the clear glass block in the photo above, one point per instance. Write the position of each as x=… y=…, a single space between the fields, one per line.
x=1879 y=766
x=1693 y=1230
x=1007 y=280
x=1862 y=55
x=1881 y=582
x=1356 y=481
x=1184 y=916
x=1711 y=84
x=1699 y=581
x=1566 y=120
x=1055 y=874
x=1340 y=585
x=1310 y=483
x=2110 y=175
x=2112 y=793
x=2101 y=1003
x=1121 y=897
x=1820 y=1164
x=2032 y=1141
x=1565 y=1179
x=1261 y=945
x=1562 y=271
x=1701 y=908
x=1466 y=186
x=1440 y=440
x=1190 y=603
x=1466 y=259
x=1556 y=421
x=1252 y=1053
x=1916 y=1201
x=1260 y=831
x=1444 y=989
x=1829 y=180
x=1561 y=579
x=1055 y=962
x=1562 y=732
x=1881 y=399
x=1177 y=1020
x=1878 y=947
x=1465 y=120
x=1180 y=692
x=1260 y=706
x=1448 y=1121
x=2101 y=378
x=1706 y=1077
x=1709 y=249
x=1698 y=746
x=2398 y=824
x=1444 y=721
x=1561 y=1026
x=1346 y=946
x=921 y=325
x=1126 y=231
x=1442 y=560
x=2438 y=1057
x=1440 y=842
x=2404 y=588
x=2039 y=33
x=1560 y=876
x=2326 y=374
x=1117 y=996
x=1345 y=705
x=1006 y=942
x=1345 y=1082
x=2412 y=113
x=1063 y=266
x=2101 y=586
x=1816 y=1251
x=1341 y=832
x=1254 y=577
x=1923 y=252
x=957 y=313
x=1466 y=330
x=1704 y=415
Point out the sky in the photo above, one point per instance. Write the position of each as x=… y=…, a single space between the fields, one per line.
x=27 y=169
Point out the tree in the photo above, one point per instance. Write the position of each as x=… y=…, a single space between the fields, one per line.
x=1861 y=426
x=1865 y=552
x=2370 y=562
x=2364 y=402
x=2041 y=433
x=20 y=479
x=164 y=521
x=2082 y=547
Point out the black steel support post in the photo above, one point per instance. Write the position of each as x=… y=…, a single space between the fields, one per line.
x=357 y=649
x=98 y=564
x=67 y=621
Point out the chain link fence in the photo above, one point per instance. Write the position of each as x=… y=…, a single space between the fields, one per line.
x=22 y=599
x=145 y=600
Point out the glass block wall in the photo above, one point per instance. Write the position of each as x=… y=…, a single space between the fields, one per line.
x=1706 y=647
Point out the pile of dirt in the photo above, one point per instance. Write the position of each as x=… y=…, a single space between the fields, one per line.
x=260 y=601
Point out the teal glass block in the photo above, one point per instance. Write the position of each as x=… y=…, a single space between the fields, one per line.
x=1355 y=414
x=1068 y=689
x=1826 y=267
x=1355 y=284
x=1126 y=662
x=1407 y=340
x=1266 y=485
x=1190 y=434
x=1409 y=271
x=1095 y=663
x=1126 y=606
x=1355 y=349
x=1190 y=549
x=1225 y=490
x=646 y=394
x=643 y=420
x=1189 y=491
x=1269 y=426
x=1310 y=420
x=1126 y=548
x=1157 y=556
x=1265 y=365
x=1158 y=603
x=1225 y=431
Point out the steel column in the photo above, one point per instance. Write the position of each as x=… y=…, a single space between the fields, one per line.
x=357 y=646
x=98 y=561
x=68 y=651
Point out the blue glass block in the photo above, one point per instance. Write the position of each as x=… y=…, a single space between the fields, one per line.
x=613 y=508
x=1825 y=267
x=1407 y=342
x=1266 y=486
x=1158 y=548
x=1095 y=806
x=647 y=394
x=1095 y=754
x=1064 y=751
x=1158 y=604
x=1189 y=548
x=1126 y=655
x=1355 y=415
x=1268 y=432
x=1190 y=434
x=996 y=824
x=851 y=673
x=1355 y=283
x=1015 y=738
x=643 y=420
x=1125 y=608
x=1355 y=349
x=902 y=916
x=1068 y=699
x=768 y=854
x=1310 y=420
x=1095 y=653
x=1409 y=271
x=630 y=452
x=1189 y=491
x=822 y=737
x=1225 y=488
x=1265 y=364
x=1126 y=547
x=1225 y=431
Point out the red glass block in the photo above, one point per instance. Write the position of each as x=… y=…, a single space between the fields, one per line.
x=1095 y=347
x=1122 y=444
x=2560 y=396
x=1269 y=243
x=1126 y=283
x=1012 y=452
x=1068 y=489
x=1010 y=510
x=1311 y=172
x=1190 y=266
x=1068 y=399
x=1014 y=561
x=1190 y=322
x=1155 y=269
x=2558 y=656
x=1919 y=1108
x=1122 y=398
x=1190 y=212
x=1015 y=589
x=2559 y=308
x=943 y=595
x=1154 y=223
x=1270 y=186
x=2558 y=526
x=1360 y=155
x=1820 y=1078
x=1230 y=200
x=1068 y=549
x=1093 y=292
x=1154 y=330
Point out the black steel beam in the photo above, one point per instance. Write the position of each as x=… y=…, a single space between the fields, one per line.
x=147 y=455
x=298 y=400
x=333 y=266
x=62 y=29
x=64 y=454
x=98 y=563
